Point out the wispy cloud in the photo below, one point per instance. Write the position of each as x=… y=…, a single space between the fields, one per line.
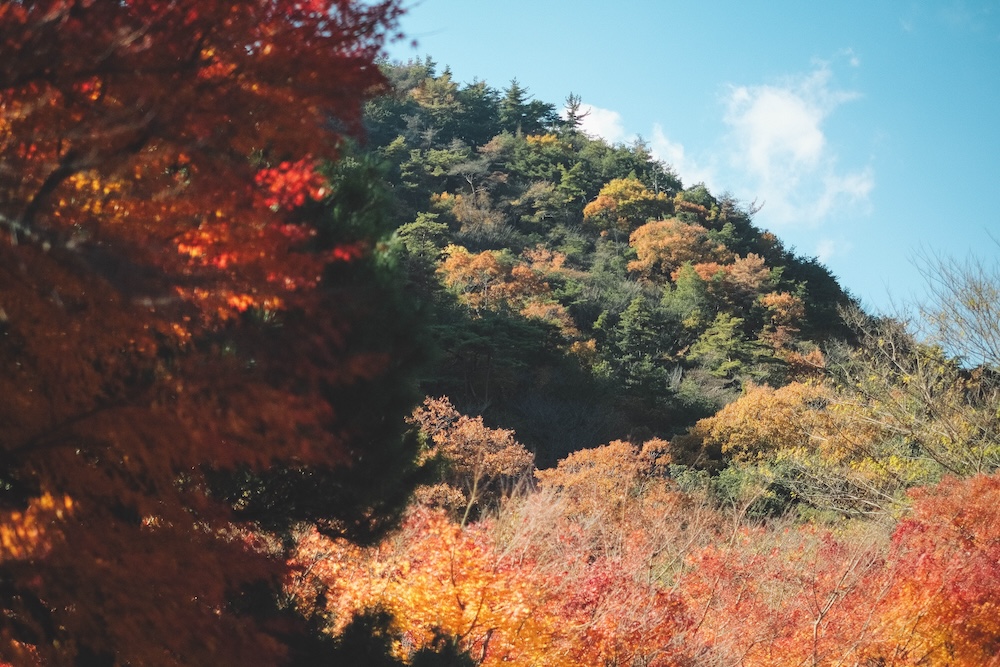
x=852 y=58
x=825 y=249
x=967 y=17
x=852 y=188
x=777 y=144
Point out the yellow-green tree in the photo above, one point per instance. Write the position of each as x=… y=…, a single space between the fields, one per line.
x=943 y=414
x=625 y=203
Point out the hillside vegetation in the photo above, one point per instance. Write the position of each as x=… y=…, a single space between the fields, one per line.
x=307 y=358
x=580 y=291
x=667 y=439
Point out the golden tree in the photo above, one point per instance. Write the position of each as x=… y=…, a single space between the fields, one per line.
x=488 y=280
x=625 y=203
x=662 y=247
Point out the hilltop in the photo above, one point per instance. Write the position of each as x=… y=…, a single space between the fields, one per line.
x=581 y=292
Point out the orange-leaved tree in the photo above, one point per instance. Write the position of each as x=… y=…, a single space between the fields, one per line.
x=488 y=280
x=787 y=596
x=799 y=595
x=608 y=531
x=549 y=578
x=662 y=247
x=437 y=577
x=941 y=608
x=181 y=333
x=483 y=463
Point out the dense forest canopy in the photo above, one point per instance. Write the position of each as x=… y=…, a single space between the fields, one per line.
x=313 y=358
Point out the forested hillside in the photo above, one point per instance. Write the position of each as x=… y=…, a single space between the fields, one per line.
x=309 y=358
x=580 y=291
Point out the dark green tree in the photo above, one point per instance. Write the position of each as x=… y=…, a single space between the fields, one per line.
x=521 y=115
x=724 y=349
x=636 y=350
x=689 y=303
x=478 y=118
x=574 y=115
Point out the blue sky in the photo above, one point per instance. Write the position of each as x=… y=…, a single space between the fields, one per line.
x=869 y=131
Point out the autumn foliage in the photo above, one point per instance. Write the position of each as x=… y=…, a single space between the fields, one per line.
x=489 y=281
x=437 y=576
x=661 y=579
x=626 y=203
x=483 y=464
x=783 y=482
x=664 y=246
x=804 y=596
x=529 y=585
x=206 y=367
x=941 y=604
x=158 y=161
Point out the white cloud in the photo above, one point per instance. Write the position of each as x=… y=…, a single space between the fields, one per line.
x=603 y=123
x=851 y=188
x=665 y=149
x=778 y=146
x=775 y=127
x=776 y=150
x=673 y=154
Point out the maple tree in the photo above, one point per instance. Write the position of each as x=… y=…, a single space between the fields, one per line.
x=748 y=274
x=550 y=578
x=784 y=311
x=787 y=596
x=606 y=532
x=181 y=337
x=599 y=479
x=944 y=578
x=435 y=577
x=794 y=595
